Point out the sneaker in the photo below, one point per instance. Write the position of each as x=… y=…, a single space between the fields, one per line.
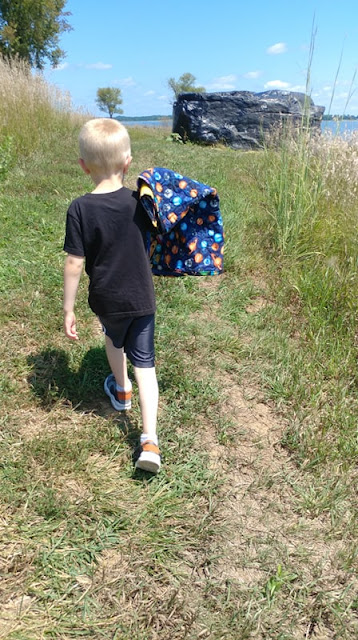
x=120 y=400
x=149 y=457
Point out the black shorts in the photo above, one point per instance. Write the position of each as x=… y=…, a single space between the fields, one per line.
x=135 y=335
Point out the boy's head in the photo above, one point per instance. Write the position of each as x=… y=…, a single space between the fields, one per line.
x=105 y=146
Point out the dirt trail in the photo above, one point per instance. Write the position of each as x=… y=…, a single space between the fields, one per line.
x=271 y=540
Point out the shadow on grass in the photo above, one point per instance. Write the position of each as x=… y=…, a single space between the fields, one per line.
x=52 y=379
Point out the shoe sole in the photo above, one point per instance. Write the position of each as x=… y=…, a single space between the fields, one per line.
x=148 y=461
x=118 y=406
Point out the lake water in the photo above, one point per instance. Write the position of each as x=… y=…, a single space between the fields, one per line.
x=147 y=123
x=345 y=127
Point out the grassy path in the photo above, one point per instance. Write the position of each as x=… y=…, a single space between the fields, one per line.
x=233 y=539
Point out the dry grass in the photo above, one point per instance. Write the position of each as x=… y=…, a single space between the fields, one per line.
x=339 y=160
x=330 y=158
x=31 y=110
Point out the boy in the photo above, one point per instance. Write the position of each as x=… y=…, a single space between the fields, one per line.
x=106 y=229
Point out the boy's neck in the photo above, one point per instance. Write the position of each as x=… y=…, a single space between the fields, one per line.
x=107 y=184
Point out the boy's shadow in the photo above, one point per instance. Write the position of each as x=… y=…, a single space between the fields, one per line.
x=51 y=379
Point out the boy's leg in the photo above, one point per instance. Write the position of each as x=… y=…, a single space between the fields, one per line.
x=117 y=385
x=148 y=399
x=149 y=456
x=139 y=346
x=118 y=362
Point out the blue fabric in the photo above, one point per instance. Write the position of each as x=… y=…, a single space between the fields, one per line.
x=190 y=238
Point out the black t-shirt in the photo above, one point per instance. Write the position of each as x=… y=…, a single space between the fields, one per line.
x=109 y=230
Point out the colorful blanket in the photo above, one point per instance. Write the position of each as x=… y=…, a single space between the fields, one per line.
x=188 y=237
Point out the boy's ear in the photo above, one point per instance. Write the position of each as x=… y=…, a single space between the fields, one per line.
x=83 y=166
x=127 y=164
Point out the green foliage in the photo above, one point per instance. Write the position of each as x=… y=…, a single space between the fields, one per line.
x=184 y=84
x=108 y=100
x=31 y=30
x=175 y=137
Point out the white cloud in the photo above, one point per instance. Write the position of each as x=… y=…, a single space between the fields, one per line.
x=223 y=83
x=127 y=82
x=327 y=88
x=98 y=65
x=298 y=87
x=61 y=67
x=344 y=83
x=275 y=49
x=277 y=84
x=163 y=98
x=149 y=93
x=251 y=75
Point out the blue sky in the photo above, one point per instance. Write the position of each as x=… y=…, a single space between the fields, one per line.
x=227 y=45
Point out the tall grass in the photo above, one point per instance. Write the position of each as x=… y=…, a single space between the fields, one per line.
x=292 y=181
x=293 y=188
x=308 y=177
x=31 y=110
x=311 y=197
x=311 y=189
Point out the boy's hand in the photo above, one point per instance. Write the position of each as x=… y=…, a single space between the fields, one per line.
x=70 y=325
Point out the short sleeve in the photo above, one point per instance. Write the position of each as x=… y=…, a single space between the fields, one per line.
x=73 y=239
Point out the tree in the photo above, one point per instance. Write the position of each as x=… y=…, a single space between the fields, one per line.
x=30 y=30
x=109 y=99
x=186 y=83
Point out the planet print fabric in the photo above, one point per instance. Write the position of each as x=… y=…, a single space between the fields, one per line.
x=189 y=236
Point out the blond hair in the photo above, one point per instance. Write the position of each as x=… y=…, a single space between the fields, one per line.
x=104 y=145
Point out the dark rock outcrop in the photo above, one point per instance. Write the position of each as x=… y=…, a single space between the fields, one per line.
x=240 y=119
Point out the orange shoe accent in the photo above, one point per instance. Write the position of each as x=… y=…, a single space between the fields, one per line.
x=148 y=445
x=124 y=396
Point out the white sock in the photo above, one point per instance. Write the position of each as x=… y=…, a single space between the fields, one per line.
x=149 y=436
x=119 y=388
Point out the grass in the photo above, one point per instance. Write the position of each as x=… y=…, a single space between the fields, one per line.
x=250 y=529
x=29 y=106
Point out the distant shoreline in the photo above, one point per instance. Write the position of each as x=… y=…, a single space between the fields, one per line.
x=142 y=118
x=329 y=118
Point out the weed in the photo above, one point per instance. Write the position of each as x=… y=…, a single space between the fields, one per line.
x=175 y=137
x=275 y=583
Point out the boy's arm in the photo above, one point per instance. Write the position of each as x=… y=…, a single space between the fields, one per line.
x=72 y=274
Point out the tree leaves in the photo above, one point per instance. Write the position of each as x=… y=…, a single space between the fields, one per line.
x=184 y=84
x=30 y=30
x=108 y=100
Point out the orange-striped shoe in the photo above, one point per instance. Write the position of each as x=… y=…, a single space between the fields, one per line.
x=120 y=400
x=149 y=457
